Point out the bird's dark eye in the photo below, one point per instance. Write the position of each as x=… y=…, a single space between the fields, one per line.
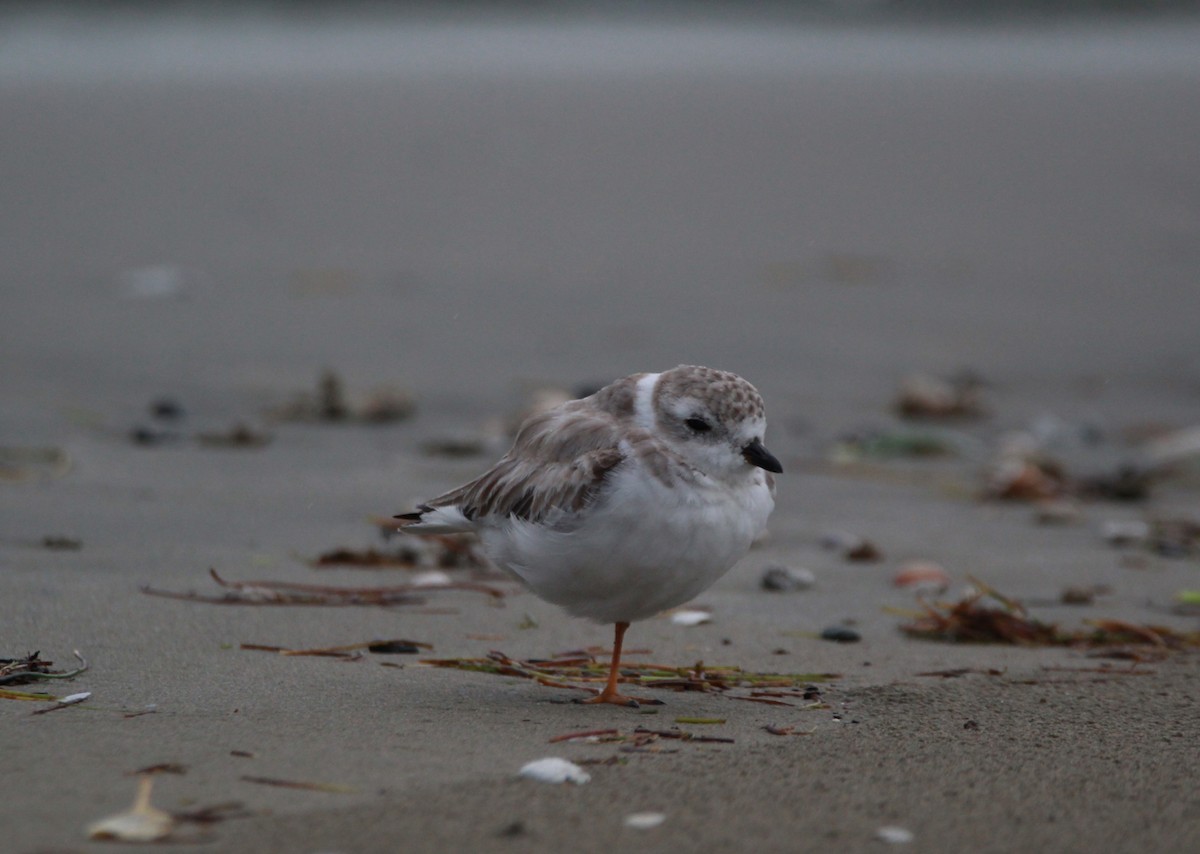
x=698 y=425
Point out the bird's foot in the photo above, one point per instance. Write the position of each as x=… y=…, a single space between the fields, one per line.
x=620 y=700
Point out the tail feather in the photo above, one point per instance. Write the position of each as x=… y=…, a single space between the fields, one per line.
x=434 y=520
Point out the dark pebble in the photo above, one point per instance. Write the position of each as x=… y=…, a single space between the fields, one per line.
x=840 y=634
x=166 y=409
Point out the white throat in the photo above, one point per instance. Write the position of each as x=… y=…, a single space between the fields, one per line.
x=643 y=406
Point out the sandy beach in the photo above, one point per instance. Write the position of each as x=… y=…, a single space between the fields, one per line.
x=204 y=216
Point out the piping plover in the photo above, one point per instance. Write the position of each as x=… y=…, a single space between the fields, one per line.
x=625 y=503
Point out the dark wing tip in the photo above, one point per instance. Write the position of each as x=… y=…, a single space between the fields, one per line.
x=414 y=516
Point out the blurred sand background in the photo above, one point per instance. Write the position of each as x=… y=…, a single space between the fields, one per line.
x=215 y=209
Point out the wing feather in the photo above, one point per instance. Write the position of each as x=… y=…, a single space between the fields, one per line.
x=557 y=466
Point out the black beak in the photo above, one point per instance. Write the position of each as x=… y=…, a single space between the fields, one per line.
x=757 y=455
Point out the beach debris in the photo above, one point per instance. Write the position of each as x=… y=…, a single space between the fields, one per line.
x=644 y=820
x=1127 y=482
x=238 y=436
x=61 y=543
x=40 y=696
x=291 y=593
x=840 y=634
x=1025 y=478
x=921 y=576
x=924 y=396
x=405 y=557
x=31 y=668
x=444 y=551
x=160 y=768
x=637 y=739
x=579 y=669
x=330 y=403
x=1007 y=621
x=149 y=437
x=690 y=617
x=348 y=651
x=554 y=769
x=1081 y=595
x=894 y=835
x=1175 y=537
x=19 y=463
x=785 y=579
x=63 y=702
x=141 y=823
x=864 y=552
x=1167 y=537
x=301 y=785
x=165 y=409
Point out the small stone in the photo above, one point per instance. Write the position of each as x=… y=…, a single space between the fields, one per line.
x=840 y=634
x=864 y=552
x=785 y=579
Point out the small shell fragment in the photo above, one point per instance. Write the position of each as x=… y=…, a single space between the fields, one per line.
x=644 y=820
x=921 y=575
x=895 y=835
x=554 y=769
x=691 y=618
x=140 y=823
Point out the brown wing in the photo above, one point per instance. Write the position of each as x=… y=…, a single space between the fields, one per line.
x=558 y=464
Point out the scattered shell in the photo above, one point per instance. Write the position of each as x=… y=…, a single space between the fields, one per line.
x=1118 y=532
x=921 y=575
x=553 y=769
x=431 y=578
x=840 y=634
x=644 y=820
x=894 y=835
x=785 y=579
x=140 y=823
x=926 y=396
x=691 y=618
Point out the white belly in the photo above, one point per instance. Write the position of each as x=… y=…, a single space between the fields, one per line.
x=648 y=548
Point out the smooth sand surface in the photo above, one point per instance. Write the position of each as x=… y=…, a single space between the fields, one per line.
x=217 y=213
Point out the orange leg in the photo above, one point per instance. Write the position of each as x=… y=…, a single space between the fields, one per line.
x=610 y=693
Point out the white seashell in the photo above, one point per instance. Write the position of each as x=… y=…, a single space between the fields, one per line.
x=895 y=835
x=141 y=823
x=552 y=769
x=431 y=578
x=691 y=618
x=72 y=699
x=644 y=820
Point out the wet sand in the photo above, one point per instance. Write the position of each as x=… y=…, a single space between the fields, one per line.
x=470 y=211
